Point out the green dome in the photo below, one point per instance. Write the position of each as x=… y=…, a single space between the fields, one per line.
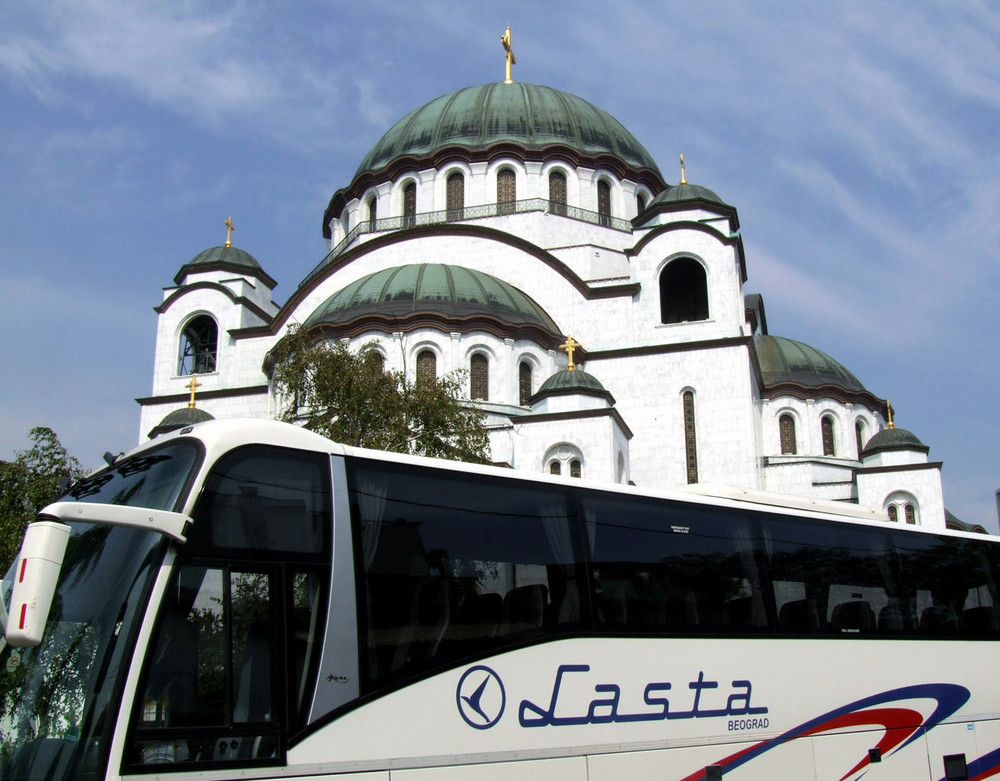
x=222 y=257
x=571 y=380
x=893 y=439
x=680 y=193
x=179 y=418
x=452 y=292
x=526 y=115
x=788 y=361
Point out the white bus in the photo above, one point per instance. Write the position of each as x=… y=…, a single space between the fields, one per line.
x=245 y=599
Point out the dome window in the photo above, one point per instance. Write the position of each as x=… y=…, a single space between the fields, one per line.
x=410 y=204
x=479 y=377
x=199 y=346
x=826 y=425
x=557 y=192
x=604 y=202
x=683 y=292
x=372 y=213
x=455 y=196
x=523 y=383
x=640 y=203
x=859 y=435
x=426 y=366
x=506 y=191
x=786 y=433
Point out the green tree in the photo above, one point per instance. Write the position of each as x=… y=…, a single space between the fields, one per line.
x=350 y=398
x=32 y=480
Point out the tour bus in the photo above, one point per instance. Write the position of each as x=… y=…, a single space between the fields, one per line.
x=246 y=599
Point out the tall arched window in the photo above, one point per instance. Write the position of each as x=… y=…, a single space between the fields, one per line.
x=910 y=513
x=426 y=366
x=455 y=196
x=198 y=347
x=555 y=468
x=375 y=359
x=479 y=377
x=506 y=191
x=683 y=292
x=786 y=432
x=410 y=204
x=604 y=202
x=826 y=424
x=859 y=435
x=523 y=383
x=575 y=468
x=557 y=192
x=372 y=212
x=690 y=439
x=893 y=513
x=640 y=203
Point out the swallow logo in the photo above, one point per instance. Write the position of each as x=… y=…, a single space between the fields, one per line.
x=481 y=697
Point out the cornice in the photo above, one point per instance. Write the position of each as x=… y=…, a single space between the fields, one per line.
x=227 y=393
x=205 y=285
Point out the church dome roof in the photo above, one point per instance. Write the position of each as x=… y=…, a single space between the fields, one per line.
x=179 y=418
x=572 y=381
x=528 y=116
x=453 y=293
x=893 y=439
x=225 y=258
x=681 y=193
x=784 y=360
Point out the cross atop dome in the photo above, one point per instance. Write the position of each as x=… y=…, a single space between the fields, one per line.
x=509 y=53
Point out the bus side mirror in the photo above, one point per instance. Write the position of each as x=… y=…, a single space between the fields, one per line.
x=35 y=578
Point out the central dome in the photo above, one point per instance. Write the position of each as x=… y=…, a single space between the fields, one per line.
x=528 y=116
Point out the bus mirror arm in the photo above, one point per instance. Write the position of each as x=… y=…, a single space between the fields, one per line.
x=35 y=578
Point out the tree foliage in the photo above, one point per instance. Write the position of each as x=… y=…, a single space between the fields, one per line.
x=350 y=398
x=32 y=480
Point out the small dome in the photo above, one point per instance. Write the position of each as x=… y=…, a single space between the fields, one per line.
x=179 y=418
x=893 y=439
x=784 y=360
x=572 y=381
x=680 y=193
x=453 y=293
x=231 y=258
x=529 y=116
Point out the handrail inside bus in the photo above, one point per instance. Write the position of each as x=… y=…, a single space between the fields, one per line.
x=170 y=524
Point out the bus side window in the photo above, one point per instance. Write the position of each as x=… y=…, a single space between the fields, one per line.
x=207 y=688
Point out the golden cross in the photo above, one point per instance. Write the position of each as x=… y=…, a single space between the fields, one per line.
x=683 y=178
x=509 y=53
x=888 y=409
x=229 y=232
x=569 y=346
x=191 y=386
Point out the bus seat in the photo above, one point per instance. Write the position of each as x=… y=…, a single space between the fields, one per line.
x=736 y=613
x=799 y=615
x=979 y=620
x=854 y=616
x=890 y=619
x=939 y=618
x=524 y=607
x=430 y=615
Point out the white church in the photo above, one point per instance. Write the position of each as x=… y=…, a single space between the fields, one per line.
x=525 y=236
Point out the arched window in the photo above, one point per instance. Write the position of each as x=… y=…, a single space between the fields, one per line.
x=575 y=468
x=786 y=432
x=557 y=192
x=621 y=468
x=372 y=212
x=910 y=513
x=902 y=506
x=506 y=191
x=826 y=424
x=523 y=383
x=640 y=203
x=893 y=513
x=455 y=197
x=479 y=377
x=374 y=358
x=604 y=202
x=555 y=468
x=410 y=204
x=683 y=292
x=859 y=435
x=690 y=441
x=426 y=366
x=199 y=346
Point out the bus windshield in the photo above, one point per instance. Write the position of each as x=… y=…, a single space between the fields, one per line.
x=54 y=698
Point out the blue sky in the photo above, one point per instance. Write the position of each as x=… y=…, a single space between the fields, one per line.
x=859 y=142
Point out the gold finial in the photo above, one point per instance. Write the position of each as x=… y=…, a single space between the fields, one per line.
x=569 y=346
x=888 y=409
x=229 y=234
x=509 y=53
x=683 y=177
x=191 y=386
